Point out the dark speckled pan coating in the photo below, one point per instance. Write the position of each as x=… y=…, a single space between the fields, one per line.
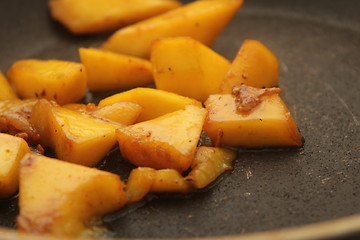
x=318 y=46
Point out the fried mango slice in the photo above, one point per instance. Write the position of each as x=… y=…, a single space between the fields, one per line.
x=94 y=16
x=185 y=66
x=107 y=71
x=143 y=180
x=12 y=150
x=14 y=119
x=170 y=180
x=208 y=164
x=168 y=141
x=61 y=198
x=60 y=81
x=269 y=124
x=6 y=92
x=254 y=65
x=75 y=137
x=201 y=20
x=139 y=183
x=154 y=102
x=82 y=108
x=124 y=113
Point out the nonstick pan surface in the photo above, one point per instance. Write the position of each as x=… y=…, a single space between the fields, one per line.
x=318 y=46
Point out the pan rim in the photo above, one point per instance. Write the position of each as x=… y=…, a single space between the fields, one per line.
x=333 y=229
x=324 y=229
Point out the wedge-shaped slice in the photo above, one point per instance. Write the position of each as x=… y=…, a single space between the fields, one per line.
x=6 y=92
x=107 y=71
x=139 y=183
x=269 y=124
x=82 y=108
x=202 y=20
x=22 y=107
x=12 y=150
x=208 y=164
x=14 y=119
x=254 y=65
x=170 y=180
x=94 y=16
x=154 y=102
x=143 y=180
x=62 y=198
x=75 y=137
x=168 y=141
x=124 y=113
x=185 y=66
x=61 y=81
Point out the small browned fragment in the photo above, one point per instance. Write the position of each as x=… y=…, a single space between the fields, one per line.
x=247 y=98
x=14 y=119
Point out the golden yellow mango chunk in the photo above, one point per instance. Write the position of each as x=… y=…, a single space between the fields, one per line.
x=170 y=180
x=75 y=137
x=208 y=164
x=269 y=124
x=185 y=66
x=82 y=108
x=124 y=113
x=61 y=81
x=143 y=180
x=12 y=150
x=139 y=183
x=23 y=107
x=94 y=16
x=61 y=198
x=201 y=20
x=108 y=71
x=254 y=65
x=6 y=92
x=155 y=102
x=168 y=141
x=14 y=119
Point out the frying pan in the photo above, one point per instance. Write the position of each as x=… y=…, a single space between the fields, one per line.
x=318 y=46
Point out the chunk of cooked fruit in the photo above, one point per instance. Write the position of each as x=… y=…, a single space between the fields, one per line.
x=6 y=91
x=75 y=137
x=14 y=119
x=94 y=16
x=139 y=183
x=62 y=198
x=201 y=20
x=254 y=65
x=269 y=124
x=185 y=66
x=208 y=164
x=82 y=108
x=124 y=113
x=154 y=102
x=107 y=71
x=170 y=180
x=61 y=81
x=143 y=180
x=23 y=107
x=12 y=150
x=168 y=141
